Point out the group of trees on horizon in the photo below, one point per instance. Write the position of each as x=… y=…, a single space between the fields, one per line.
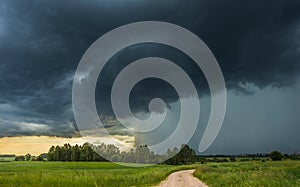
x=141 y=154
x=29 y=157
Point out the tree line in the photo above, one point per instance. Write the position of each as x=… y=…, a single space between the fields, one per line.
x=141 y=154
x=29 y=157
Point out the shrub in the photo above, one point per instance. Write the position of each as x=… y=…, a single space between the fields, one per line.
x=20 y=158
x=276 y=155
x=39 y=158
x=232 y=159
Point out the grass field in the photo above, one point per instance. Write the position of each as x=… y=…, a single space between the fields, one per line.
x=253 y=173
x=270 y=173
x=82 y=174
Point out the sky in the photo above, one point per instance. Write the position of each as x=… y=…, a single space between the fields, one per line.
x=257 y=45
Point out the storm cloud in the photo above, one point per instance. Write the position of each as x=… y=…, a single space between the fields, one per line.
x=41 y=43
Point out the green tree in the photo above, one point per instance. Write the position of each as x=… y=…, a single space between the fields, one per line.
x=86 y=152
x=51 y=154
x=232 y=159
x=276 y=155
x=28 y=157
x=67 y=152
x=20 y=158
x=186 y=155
x=39 y=158
x=58 y=153
x=75 y=153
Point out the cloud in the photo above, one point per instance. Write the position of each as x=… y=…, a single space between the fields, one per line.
x=262 y=122
x=41 y=144
x=20 y=128
x=41 y=42
x=32 y=127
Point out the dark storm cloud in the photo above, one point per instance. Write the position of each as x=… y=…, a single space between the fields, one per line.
x=41 y=42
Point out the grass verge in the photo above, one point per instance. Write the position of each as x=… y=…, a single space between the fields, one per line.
x=271 y=173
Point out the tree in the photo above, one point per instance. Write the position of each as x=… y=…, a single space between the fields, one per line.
x=20 y=158
x=75 y=153
x=276 y=155
x=28 y=157
x=141 y=154
x=232 y=159
x=58 y=153
x=51 y=154
x=186 y=155
x=39 y=158
x=86 y=152
x=67 y=151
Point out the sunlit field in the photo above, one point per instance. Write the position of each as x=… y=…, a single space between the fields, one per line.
x=253 y=173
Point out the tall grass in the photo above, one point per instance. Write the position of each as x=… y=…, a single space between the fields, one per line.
x=253 y=173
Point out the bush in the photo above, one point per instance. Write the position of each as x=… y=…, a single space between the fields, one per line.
x=256 y=159
x=276 y=156
x=39 y=158
x=20 y=158
x=222 y=160
x=295 y=157
x=232 y=159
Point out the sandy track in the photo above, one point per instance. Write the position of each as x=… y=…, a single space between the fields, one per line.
x=183 y=178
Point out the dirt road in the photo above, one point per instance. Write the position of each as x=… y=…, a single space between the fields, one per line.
x=183 y=178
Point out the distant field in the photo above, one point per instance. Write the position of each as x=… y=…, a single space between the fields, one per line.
x=253 y=173
x=81 y=174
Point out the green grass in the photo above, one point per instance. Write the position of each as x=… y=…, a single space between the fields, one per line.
x=82 y=174
x=6 y=159
x=253 y=173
